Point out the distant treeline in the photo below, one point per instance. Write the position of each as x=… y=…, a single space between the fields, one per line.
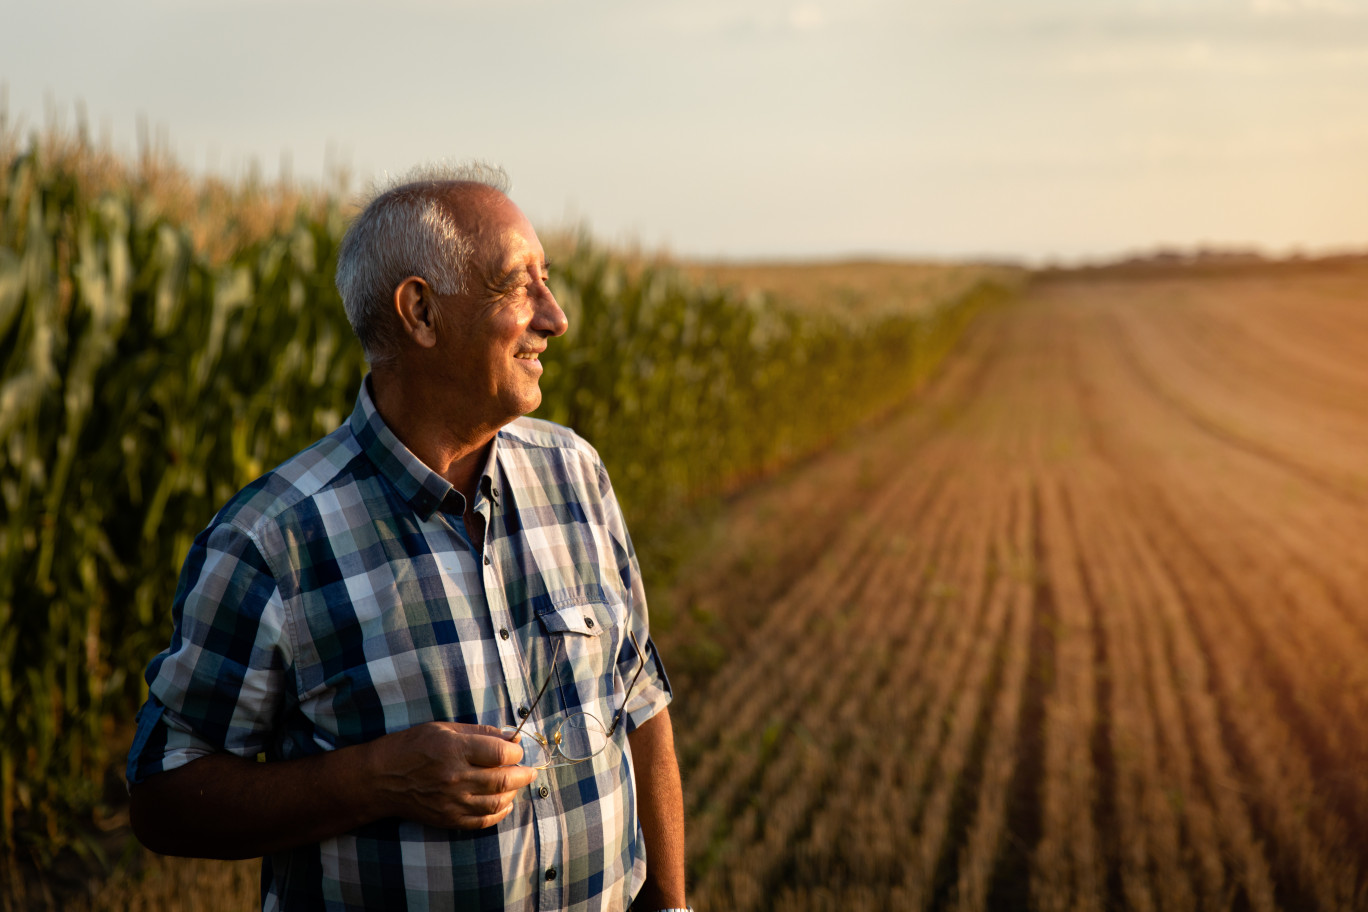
x=148 y=370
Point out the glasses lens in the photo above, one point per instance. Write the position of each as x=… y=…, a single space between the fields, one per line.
x=582 y=736
x=535 y=754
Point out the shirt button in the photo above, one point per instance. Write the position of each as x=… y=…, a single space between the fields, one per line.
x=495 y=492
x=543 y=791
x=588 y=622
x=503 y=632
x=550 y=873
x=522 y=711
x=486 y=560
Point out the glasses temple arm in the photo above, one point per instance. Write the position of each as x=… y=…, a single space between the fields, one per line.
x=641 y=666
x=554 y=655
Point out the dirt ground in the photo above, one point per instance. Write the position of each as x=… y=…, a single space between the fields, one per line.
x=1082 y=628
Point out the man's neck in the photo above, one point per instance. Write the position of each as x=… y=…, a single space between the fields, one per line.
x=452 y=447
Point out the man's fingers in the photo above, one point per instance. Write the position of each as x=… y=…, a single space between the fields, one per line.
x=490 y=805
x=500 y=779
x=517 y=777
x=467 y=728
x=491 y=750
x=479 y=823
x=484 y=811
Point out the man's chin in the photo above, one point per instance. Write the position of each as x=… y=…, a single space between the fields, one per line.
x=530 y=403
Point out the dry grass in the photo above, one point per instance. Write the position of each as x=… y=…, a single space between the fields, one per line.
x=141 y=882
x=855 y=288
x=179 y=885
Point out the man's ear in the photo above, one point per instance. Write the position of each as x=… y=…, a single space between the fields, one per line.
x=414 y=304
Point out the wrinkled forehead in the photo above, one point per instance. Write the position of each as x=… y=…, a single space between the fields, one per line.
x=503 y=240
x=502 y=231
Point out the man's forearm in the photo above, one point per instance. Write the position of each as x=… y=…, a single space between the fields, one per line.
x=660 y=807
x=221 y=806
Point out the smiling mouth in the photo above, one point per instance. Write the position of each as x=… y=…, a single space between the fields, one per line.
x=527 y=356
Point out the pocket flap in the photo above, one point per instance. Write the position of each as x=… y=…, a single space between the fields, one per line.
x=583 y=616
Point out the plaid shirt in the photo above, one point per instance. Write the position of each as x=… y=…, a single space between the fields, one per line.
x=338 y=598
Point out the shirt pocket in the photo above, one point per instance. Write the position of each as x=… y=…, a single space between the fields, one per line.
x=590 y=632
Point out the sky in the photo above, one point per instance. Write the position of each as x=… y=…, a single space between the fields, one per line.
x=1037 y=130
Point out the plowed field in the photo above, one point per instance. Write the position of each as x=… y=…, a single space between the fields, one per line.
x=1085 y=628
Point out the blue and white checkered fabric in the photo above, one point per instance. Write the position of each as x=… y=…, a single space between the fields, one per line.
x=338 y=598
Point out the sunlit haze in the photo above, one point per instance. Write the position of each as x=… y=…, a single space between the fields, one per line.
x=1051 y=129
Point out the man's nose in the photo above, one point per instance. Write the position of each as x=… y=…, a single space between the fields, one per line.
x=550 y=318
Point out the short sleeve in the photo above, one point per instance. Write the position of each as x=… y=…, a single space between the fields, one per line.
x=652 y=692
x=220 y=685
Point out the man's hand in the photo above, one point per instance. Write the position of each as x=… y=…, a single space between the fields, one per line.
x=440 y=773
x=446 y=774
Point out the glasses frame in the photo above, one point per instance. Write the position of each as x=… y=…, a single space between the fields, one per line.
x=553 y=745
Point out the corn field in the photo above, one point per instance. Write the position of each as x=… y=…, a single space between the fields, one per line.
x=145 y=377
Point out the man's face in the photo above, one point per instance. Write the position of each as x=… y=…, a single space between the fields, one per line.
x=492 y=336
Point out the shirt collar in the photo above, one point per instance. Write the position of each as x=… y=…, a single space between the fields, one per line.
x=422 y=488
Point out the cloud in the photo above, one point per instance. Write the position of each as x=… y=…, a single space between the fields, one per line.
x=1294 y=7
x=806 y=17
x=710 y=17
x=1179 y=56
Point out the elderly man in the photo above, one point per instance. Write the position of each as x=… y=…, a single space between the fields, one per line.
x=411 y=666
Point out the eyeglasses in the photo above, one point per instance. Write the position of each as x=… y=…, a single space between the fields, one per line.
x=580 y=737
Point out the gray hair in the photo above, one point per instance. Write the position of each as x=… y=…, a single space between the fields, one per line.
x=407 y=228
